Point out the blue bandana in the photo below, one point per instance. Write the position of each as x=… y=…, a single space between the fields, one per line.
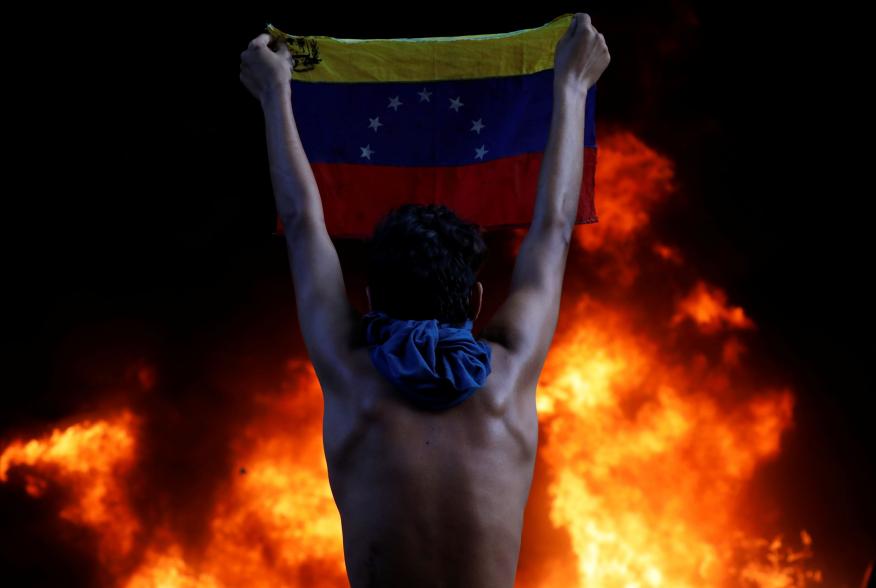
x=434 y=365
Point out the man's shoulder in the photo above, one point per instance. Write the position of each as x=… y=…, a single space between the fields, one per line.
x=364 y=386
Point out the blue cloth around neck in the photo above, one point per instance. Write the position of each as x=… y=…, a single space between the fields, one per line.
x=434 y=365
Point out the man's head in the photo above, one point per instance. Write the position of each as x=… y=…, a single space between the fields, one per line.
x=423 y=261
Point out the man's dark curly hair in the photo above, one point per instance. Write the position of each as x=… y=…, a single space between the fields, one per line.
x=423 y=261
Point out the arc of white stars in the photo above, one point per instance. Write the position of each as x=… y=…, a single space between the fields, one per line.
x=424 y=95
x=455 y=104
x=374 y=123
x=394 y=103
x=477 y=125
x=480 y=152
x=366 y=151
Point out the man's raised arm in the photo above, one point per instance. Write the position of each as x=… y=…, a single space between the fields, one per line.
x=326 y=317
x=266 y=73
x=525 y=323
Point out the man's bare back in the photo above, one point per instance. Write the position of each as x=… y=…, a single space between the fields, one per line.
x=436 y=499
x=431 y=499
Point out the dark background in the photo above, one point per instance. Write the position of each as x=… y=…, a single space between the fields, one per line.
x=139 y=208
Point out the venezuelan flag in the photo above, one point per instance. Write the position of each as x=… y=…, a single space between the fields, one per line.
x=461 y=121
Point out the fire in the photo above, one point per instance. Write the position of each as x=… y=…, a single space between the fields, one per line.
x=279 y=508
x=90 y=459
x=668 y=252
x=648 y=442
x=707 y=307
x=169 y=570
x=276 y=523
x=647 y=461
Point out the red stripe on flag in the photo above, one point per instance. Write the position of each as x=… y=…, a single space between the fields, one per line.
x=494 y=194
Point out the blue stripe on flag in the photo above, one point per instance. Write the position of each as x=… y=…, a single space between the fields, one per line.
x=441 y=123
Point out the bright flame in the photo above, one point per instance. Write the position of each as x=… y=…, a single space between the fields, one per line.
x=647 y=462
x=648 y=443
x=277 y=524
x=90 y=459
x=707 y=308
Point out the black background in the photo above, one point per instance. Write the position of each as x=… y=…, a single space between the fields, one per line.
x=138 y=206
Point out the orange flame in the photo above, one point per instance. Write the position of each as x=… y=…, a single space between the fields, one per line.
x=90 y=459
x=647 y=446
x=707 y=307
x=647 y=463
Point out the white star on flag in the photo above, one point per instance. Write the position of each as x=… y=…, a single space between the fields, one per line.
x=424 y=95
x=366 y=151
x=394 y=103
x=455 y=103
x=477 y=125
x=480 y=152
x=374 y=123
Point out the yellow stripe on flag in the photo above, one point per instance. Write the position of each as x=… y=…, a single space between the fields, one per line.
x=329 y=59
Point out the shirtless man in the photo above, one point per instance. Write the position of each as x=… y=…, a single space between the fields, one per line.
x=431 y=498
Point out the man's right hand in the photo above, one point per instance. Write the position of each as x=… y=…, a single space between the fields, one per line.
x=581 y=55
x=265 y=70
